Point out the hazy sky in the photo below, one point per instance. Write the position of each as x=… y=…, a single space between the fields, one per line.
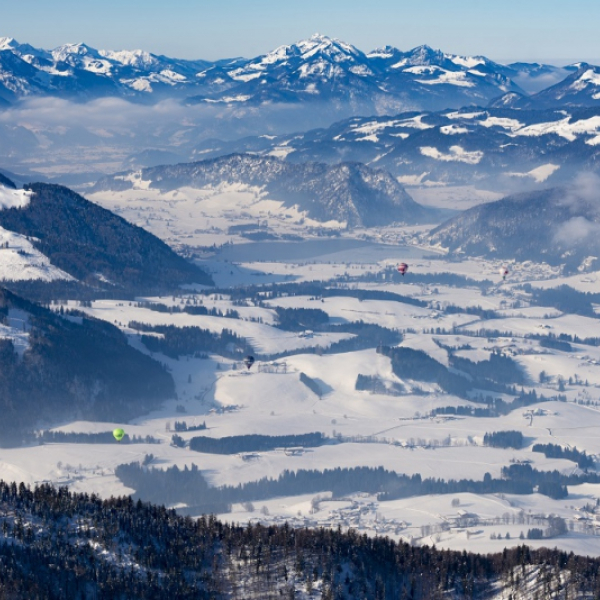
x=541 y=30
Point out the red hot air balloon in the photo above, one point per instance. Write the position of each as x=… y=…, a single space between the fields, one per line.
x=402 y=268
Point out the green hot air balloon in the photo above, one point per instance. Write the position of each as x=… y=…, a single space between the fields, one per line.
x=119 y=434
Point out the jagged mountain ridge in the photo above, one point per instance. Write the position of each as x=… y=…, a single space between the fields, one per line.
x=325 y=69
x=317 y=69
x=556 y=225
x=77 y=70
x=94 y=245
x=348 y=192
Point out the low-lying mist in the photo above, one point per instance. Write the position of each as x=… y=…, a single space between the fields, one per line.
x=61 y=140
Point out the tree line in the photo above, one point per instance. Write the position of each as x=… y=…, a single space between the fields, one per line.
x=555 y=451
x=255 y=443
x=191 y=340
x=102 y=437
x=190 y=309
x=495 y=374
x=188 y=485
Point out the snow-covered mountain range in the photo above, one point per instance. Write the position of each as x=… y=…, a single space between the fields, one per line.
x=77 y=70
x=507 y=147
x=432 y=116
x=317 y=69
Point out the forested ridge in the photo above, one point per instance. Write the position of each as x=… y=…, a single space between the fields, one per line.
x=95 y=245
x=495 y=374
x=55 y=544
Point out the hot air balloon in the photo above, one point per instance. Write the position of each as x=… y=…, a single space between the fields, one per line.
x=503 y=272
x=119 y=434
x=249 y=361
x=402 y=268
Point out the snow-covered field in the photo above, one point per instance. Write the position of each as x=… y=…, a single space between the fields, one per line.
x=202 y=217
x=396 y=430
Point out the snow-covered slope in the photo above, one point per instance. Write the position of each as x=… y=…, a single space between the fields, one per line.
x=19 y=259
x=49 y=232
x=13 y=198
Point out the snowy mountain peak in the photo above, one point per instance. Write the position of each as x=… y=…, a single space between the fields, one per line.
x=8 y=43
x=74 y=53
x=133 y=58
x=468 y=62
x=79 y=49
x=306 y=66
x=317 y=44
x=330 y=47
x=384 y=52
x=587 y=79
x=425 y=55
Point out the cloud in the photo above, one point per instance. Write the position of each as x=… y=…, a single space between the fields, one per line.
x=583 y=201
x=169 y=122
x=576 y=232
x=537 y=83
x=583 y=196
x=113 y=114
x=98 y=136
x=587 y=186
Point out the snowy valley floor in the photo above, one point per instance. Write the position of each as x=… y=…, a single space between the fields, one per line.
x=393 y=428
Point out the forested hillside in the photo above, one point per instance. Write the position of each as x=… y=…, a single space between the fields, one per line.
x=56 y=545
x=75 y=367
x=555 y=225
x=96 y=246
